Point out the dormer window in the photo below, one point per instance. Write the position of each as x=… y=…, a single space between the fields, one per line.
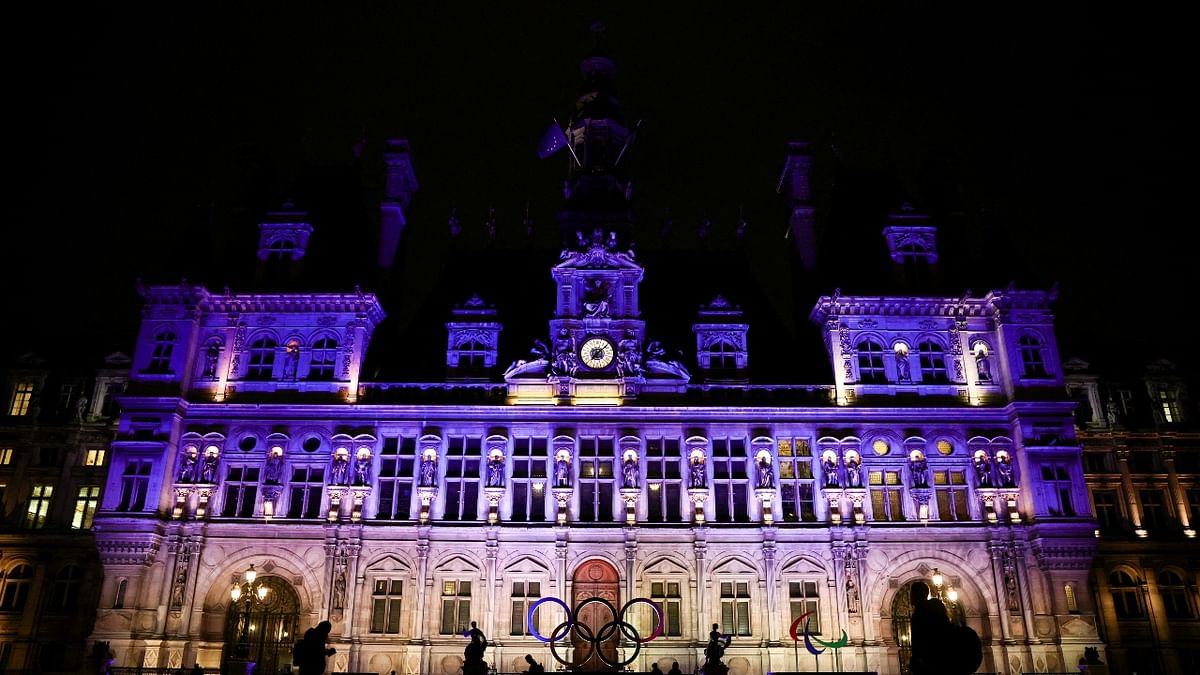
x=164 y=347
x=22 y=396
x=723 y=355
x=1033 y=360
x=1168 y=405
x=471 y=355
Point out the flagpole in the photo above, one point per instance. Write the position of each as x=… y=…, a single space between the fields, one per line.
x=570 y=145
x=627 y=142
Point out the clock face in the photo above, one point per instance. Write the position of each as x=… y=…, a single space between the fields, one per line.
x=596 y=353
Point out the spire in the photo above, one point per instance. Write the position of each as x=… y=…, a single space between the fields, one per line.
x=598 y=189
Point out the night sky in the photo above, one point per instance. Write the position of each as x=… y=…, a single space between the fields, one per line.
x=146 y=142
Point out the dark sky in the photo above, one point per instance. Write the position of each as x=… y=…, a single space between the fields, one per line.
x=139 y=138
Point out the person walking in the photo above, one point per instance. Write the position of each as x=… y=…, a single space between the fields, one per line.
x=312 y=651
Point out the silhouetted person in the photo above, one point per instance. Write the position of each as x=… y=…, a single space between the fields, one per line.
x=674 y=669
x=197 y=670
x=313 y=650
x=535 y=668
x=926 y=628
x=655 y=670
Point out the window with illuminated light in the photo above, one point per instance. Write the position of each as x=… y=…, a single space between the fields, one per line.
x=804 y=598
x=735 y=607
x=596 y=480
x=6 y=456
x=796 y=480
x=93 y=457
x=39 y=505
x=666 y=596
x=529 y=479
x=524 y=594
x=951 y=488
x=86 y=504
x=385 y=606
x=887 y=495
x=456 y=607
x=22 y=396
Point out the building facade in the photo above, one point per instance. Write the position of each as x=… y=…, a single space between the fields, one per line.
x=1141 y=457
x=598 y=465
x=55 y=436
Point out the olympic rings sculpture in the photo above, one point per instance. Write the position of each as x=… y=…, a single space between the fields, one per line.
x=594 y=639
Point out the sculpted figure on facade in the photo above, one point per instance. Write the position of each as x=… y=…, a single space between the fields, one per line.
x=697 y=471
x=983 y=469
x=564 y=353
x=291 y=360
x=629 y=357
x=920 y=470
x=274 y=468
x=597 y=300
x=81 y=405
x=211 y=354
x=853 y=471
x=903 y=375
x=208 y=472
x=766 y=474
x=362 y=469
x=187 y=465
x=341 y=466
x=562 y=472
x=495 y=471
x=1004 y=469
x=983 y=366
x=629 y=471
x=428 y=470
x=829 y=470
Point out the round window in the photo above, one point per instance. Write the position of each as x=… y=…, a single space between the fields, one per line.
x=881 y=447
x=312 y=444
x=944 y=447
x=247 y=443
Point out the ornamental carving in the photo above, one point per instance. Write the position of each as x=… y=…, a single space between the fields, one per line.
x=732 y=337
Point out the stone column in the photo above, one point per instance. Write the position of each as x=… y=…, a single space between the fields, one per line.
x=1017 y=551
x=492 y=582
x=996 y=549
x=773 y=632
x=700 y=547
x=1178 y=497
x=1131 y=500
x=422 y=583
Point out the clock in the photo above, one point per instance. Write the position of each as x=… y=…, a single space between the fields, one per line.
x=596 y=353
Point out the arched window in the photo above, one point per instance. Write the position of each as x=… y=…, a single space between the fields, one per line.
x=1033 y=361
x=65 y=593
x=471 y=355
x=16 y=588
x=870 y=362
x=262 y=359
x=324 y=354
x=723 y=356
x=1174 y=594
x=1126 y=600
x=933 y=362
x=164 y=346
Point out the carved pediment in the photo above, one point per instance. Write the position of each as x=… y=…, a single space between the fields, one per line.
x=457 y=563
x=735 y=566
x=666 y=566
x=389 y=563
x=527 y=564
x=804 y=566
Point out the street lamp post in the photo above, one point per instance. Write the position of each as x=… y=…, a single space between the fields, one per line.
x=947 y=594
x=250 y=588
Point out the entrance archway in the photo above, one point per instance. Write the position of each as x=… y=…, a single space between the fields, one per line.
x=270 y=627
x=595 y=579
x=902 y=630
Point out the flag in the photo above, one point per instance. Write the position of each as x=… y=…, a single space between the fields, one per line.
x=552 y=141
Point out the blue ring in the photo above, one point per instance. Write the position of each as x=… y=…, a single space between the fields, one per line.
x=554 y=636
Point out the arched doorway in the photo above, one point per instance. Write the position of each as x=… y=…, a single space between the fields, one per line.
x=267 y=633
x=902 y=611
x=595 y=579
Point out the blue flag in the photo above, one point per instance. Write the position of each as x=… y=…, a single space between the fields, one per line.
x=552 y=141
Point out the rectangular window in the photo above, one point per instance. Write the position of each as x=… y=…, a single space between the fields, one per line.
x=803 y=598
x=385 y=606
x=1108 y=511
x=1154 y=510
x=39 y=504
x=951 y=490
x=735 y=607
x=305 y=491
x=870 y=363
x=887 y=495
x=241 y=492
x=1097 y=462
x=524 y=594
x=463 y=457
x=135 y=481
x=1056 y=481
x=731 y=490
x=21 y=398
x=529 y=480
x=93 y=457
x=85 y=507
x=6 y=456
x=665 y=594
x=1168 y=402
x=664 y=481
x=596 y=480
x=456 y=607
x=397 y=462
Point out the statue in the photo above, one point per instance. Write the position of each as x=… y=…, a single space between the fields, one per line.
x=562 y=472
x=697 y=471
x=902 y=372
x=715 y=651
x=983 y=366
x=1004 y=468
x=495 y=471
x=210 y=361
x=473 y=663
x=291 y=359
x=208 y=473
x=1010 y=589
x=274 y=469
x=597 y=300
x=630 y=472
x=854 y=472
x=339 y=591
x=852 y=605
x=564 y=353
x=362 y=470
x=629 y=357
x=340 y=466
x=187 y=468
x=983 y=469
x=766 y=476
x=920 y=471
x=1112 y=413
x=81 y=405
x=829 y=468
x=428 y=471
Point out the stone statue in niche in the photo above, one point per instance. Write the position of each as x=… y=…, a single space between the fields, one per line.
x=187 y=466
x=291 y=360
x=210 y=361
x=362 y=470
x=852 y=600
x=629 y=470
x=339 y=590
x=81 y=405
x=1010 y=590
x=829 y=469
x=983 y=366
x=629 y=357
x=766 y=475
x=208 y=473
x=902 y=372
x=564 y=353
x=1004 y=468
x=1112 y=413
x=495 y=471
x=920 y=471
x=340 y=466
x=178 y=588
x=853 y=472
x=983 y=470
x=274 y=469
x=597 y=299
x=697 y=471
x=428 y=471
x=562 y=472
